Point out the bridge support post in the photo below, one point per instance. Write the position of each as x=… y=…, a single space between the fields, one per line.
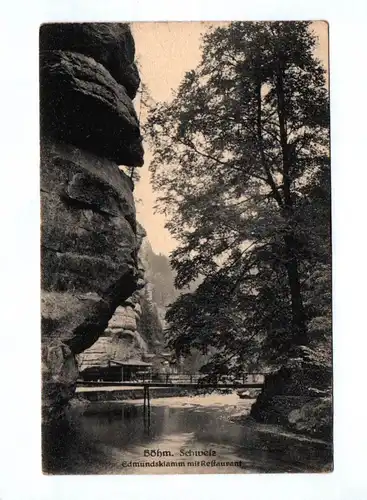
x=146 y=398
x=146 y=408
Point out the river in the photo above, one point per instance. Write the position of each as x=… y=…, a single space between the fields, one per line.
x=199 y=434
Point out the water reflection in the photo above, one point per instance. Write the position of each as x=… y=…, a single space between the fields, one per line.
x=99 y=441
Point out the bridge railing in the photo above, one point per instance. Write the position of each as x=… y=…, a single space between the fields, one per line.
x=199 y=378
x=182 y=378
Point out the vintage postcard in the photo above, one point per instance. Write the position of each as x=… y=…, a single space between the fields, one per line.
x=186 y=248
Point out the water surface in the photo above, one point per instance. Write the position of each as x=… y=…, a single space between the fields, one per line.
x=121 y=438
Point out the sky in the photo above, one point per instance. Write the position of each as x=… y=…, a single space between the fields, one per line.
x=165 y=51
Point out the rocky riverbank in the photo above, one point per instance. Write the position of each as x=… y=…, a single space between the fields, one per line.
x=298 y=396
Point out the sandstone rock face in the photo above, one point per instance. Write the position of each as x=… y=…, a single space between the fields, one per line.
x=110 y=44
x=121 y=340
x=89 y=233
x=82 y=104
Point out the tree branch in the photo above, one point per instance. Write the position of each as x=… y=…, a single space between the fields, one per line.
x=269 y=176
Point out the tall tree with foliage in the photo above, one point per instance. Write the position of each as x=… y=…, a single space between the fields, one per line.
x=238 y=155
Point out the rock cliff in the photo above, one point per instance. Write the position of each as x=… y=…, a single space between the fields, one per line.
x=135 y=331
x=160 y=290
x=89 y=243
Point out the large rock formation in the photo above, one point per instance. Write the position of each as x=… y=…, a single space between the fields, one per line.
x=131 y=334
x=89 y=246
x=298 y=396
x=160 y=289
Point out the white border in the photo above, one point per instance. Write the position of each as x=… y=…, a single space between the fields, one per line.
x=20 y=380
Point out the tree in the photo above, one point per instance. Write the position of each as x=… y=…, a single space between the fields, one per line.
x=238 y=155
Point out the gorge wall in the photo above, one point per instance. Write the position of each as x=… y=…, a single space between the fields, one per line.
x=160 y=278
x=135 y=331
x=89 y=240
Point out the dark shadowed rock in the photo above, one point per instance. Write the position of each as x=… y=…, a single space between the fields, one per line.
x=60 y=372
x=297 y=394
x=110 y=44
x=82 y=104
x=89 y=258
x=313 y=418
x=80 y=193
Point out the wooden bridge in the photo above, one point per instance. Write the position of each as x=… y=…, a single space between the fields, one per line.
x=247 y=380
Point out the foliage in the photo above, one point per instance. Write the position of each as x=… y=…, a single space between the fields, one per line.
x=241 y=161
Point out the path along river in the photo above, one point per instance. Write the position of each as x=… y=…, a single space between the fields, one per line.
x=198 y=434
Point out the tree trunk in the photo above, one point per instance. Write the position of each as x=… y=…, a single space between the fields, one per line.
x=286 y=205
x=298 y=314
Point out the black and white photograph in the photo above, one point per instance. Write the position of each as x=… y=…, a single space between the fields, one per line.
x=186 y=253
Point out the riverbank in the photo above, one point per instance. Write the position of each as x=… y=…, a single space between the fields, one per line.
x=96 y=399
x=112 y=437
x=271 y=438
x=303 y=447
